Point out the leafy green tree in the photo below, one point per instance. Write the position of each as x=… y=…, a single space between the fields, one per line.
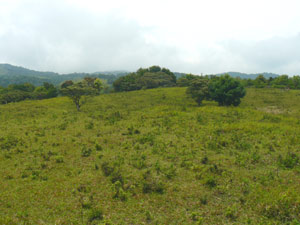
x=26 y=87
x=198 y=90
x=154 y=80
x=2 y=90
x=46 y=91
x=152 y=77
x=185 y=80
x=127 y=83
x=66 y=83
x=154 y=69
x=78 y=92
x=260 y=81
x=226 y=90
x=295 y=82
x=282 y=81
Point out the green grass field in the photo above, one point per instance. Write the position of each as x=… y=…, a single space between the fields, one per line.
x=151 y=157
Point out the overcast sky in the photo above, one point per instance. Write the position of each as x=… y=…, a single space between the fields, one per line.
x=194 y=36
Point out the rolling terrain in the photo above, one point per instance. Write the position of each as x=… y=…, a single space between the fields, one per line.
x=151 y=157
x=10 y=74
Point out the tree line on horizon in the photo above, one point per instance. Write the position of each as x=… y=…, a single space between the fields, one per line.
x=145 y=78
x=20 y=92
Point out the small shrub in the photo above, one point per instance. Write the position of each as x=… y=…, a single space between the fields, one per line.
x=231 y=213
x=170 y=172
x=107 y=169
x=119 y=191
x=59 y=159
x=194 y=216
x=153 y=185
x=117 y=177
x=204 y=160
x=63 y=126
x=8 y=142
x=95 y=214
x=86 y=152
x=149 y=216
x=148 y=138
x=203 y=200
x=86 y=203
x=289 y=161
x=89 y=125
x=210 y=181
x=98 y=147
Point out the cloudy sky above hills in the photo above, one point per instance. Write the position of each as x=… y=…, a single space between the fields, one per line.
x=186 y=36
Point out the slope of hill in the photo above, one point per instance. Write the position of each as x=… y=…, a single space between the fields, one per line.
x=151 y=156
x=16 y=75
x=10 y=74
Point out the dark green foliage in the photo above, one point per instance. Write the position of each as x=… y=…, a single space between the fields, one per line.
x=88 y=87
x=289 y=161
x=152 y=77
x=210 y=181
x=86 y=152
x=95 y=214
x=9 y=142
x=119 y=191
x=198 y=90
x=127 y=83
x=185 y=81
x=155 y=186
x=107 y=169
x=59 y=159
x=260 y=81
x=226 y=91
x=20 y=92
x=98 y=147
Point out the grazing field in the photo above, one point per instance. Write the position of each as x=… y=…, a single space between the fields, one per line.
x=151 y=157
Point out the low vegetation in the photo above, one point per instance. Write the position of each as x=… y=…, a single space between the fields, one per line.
x=21 y=92
x=224 y=89
x=151 y=157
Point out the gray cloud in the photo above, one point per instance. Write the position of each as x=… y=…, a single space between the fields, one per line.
x=278 y=54
x=57 y=36
x=63 y=38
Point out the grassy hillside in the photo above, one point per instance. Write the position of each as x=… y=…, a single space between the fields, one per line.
x=151 y=157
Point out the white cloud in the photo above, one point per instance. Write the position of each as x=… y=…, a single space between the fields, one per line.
x=188 y=36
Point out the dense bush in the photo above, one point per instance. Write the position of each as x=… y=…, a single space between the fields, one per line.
x=226 y=90
x=198 y=89
x=148 y=78
x=20 y=92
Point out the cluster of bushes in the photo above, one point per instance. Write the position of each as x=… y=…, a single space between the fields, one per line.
x=75 y=91
x=146 y=78
x=20 y=92
x=283 y=81
x=224 y=89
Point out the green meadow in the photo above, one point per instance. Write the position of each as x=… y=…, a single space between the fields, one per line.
x=151 y=157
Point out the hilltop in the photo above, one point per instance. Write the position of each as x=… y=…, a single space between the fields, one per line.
x=10 y=74
x=151 y=157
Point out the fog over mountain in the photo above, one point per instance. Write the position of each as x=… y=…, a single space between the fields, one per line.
x=186 y=36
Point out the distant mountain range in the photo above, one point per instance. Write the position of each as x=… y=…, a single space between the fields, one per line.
x=249 y=75
x=10 y=74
